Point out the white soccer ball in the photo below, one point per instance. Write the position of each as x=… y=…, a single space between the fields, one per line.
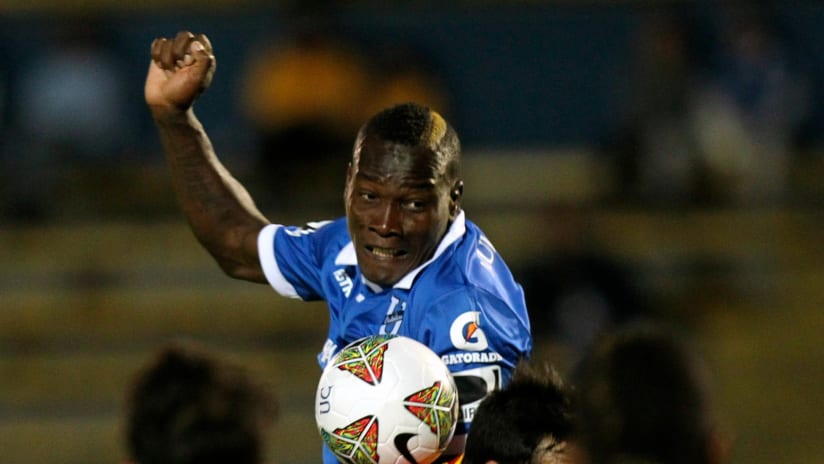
x=386 y=399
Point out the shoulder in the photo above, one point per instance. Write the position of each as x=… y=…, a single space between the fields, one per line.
x=327 y=231
x=479 y=264
x=475 y=248
x=314 y=241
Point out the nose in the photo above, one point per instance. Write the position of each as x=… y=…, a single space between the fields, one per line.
x=387 y=220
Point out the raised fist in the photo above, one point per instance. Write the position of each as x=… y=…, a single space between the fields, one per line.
x=181 y=68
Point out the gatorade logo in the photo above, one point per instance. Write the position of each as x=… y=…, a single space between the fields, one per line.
x=466 y=333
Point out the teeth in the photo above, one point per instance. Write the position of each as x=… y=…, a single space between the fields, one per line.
x=385 y=252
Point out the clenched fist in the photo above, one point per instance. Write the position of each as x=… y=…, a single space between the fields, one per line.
x=180 y=70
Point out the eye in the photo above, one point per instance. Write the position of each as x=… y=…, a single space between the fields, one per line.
x=415 y=205
x=367 y=196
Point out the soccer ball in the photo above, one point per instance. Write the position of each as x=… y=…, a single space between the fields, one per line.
x=386 y=399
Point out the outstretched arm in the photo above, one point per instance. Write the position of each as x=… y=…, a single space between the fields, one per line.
x=220 y=211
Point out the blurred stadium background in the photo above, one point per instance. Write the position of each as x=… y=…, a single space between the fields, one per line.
x=558 y=105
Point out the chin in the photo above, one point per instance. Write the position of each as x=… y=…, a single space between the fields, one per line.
x=378 y=273
x=383 y=282
x=384 y=279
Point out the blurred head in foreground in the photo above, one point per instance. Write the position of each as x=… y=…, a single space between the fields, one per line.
x=527 y=422
x=643 y=397
x=187 y=406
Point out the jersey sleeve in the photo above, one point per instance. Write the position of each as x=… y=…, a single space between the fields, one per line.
x=292 y=259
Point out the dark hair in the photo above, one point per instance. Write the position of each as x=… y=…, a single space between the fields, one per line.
x=510 y=423
x=415 y=125
x=187 y=407
x=642 y=394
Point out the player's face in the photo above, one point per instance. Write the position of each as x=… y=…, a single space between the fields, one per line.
x=398 y=207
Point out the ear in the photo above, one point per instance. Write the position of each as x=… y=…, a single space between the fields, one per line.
x=455 y=197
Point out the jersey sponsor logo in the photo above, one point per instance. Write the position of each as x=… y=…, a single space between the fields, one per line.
x=474 y=357
x=394 y=317
x=466 y=334
x=344 y=281
x=473 y=385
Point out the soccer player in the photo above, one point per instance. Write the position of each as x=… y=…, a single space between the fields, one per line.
x=528 y=421
x=405 y=260
x=188 y=406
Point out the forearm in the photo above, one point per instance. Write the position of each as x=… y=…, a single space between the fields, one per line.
x=220 y=211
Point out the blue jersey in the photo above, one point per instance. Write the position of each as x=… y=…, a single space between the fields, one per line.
x=463 y=303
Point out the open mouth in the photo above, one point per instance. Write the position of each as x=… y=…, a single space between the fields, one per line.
x=386 y=252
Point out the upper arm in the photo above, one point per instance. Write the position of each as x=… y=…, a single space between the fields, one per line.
x=236 y=252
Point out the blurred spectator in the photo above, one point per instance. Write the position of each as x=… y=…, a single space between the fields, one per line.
x=71 y=95
x=69 y=111
x=665 y=75
x=303 y=97
x=713 y=121
x=574 y=295
x=403 y=74
x=188 y=406
x=748 y=111
x=308 y=94
x=577 y=289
